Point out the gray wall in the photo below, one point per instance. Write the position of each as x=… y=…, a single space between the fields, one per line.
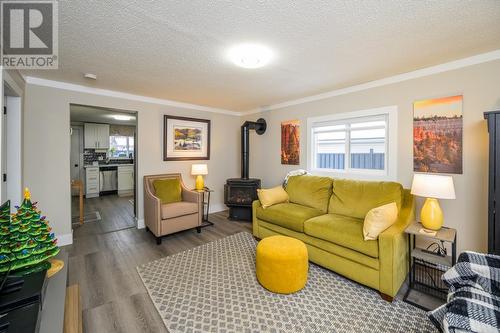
x=47 y=148
x=47 y=142
x=479 y=86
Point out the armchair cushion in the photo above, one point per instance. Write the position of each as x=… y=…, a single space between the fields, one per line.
x=168 y=190
x=176 y=209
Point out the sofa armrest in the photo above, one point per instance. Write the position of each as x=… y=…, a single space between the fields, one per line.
x=255 y=226
x=393 y=249
x=196 y=197
x=152 y=211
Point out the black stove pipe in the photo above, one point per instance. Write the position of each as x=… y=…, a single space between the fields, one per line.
x=260 y=127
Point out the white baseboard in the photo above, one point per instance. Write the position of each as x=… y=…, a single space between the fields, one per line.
x=65 y=239
x=140 y=224
x=217 y=207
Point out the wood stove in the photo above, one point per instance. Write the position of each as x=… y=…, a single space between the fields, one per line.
x=239 y=193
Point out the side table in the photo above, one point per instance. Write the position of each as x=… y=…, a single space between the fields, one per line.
x=206 y=203
x=426 y=266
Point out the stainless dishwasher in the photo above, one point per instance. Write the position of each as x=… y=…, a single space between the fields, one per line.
x=108 y=179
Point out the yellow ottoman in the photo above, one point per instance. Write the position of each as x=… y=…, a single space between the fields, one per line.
x=281 y=264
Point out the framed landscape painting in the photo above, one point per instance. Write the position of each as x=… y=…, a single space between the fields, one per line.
x=290 y=142
x=437 y=135
x=186 y=139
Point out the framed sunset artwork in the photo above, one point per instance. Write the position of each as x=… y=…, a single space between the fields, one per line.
x=186 y=139
x=290 y=142
x=437 y=135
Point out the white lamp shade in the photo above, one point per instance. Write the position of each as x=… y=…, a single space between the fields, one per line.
x=199 y=169
x=433 y=186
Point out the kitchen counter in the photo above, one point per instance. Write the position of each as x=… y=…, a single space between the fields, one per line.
x=107 y=165
x=109 y=178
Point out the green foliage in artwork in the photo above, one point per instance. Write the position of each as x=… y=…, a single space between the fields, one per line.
x=190 y=133
x=187 y=138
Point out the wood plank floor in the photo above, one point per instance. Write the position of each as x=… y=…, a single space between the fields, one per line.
x=104 y=265
x=104 y=257
x=116 y=213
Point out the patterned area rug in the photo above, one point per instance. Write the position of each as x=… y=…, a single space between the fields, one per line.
x=213 y=288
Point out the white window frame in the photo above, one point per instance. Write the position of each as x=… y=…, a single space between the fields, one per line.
x=128 y=147
x=391 y=158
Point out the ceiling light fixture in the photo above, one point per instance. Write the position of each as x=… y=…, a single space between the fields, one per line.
x=121 y=117
x=250 y=55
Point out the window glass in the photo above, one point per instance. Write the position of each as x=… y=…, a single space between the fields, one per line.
x=357 y=143
x=330 y=149
x=121 y=146
x=368 y=149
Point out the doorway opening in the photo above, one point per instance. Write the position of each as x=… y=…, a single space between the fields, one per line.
x=11 y=158
x=103 y=164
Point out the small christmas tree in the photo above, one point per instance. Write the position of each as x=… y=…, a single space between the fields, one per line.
x=26 y=243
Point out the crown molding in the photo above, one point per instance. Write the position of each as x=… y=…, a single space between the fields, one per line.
x=118 y=94
x=445 y=67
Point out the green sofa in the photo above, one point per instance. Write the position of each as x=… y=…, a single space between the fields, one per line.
x=327 y=215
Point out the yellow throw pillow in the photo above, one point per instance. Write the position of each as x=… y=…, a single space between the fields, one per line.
x=272 y=196
x=378 y=219
x=168 y=190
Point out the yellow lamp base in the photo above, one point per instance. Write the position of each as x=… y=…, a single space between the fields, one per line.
x=200 y=184
x=431 y=214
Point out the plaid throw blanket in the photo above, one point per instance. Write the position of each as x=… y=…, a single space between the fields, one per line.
x=474 y=295
x=298 y=172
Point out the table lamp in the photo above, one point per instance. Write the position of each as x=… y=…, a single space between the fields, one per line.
x=432 y=187
x=199 y=170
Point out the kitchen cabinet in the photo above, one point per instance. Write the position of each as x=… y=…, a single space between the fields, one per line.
x=103 y=136
x=89 y=135
x=125 y=180
x=91 y=182
x=96 y=136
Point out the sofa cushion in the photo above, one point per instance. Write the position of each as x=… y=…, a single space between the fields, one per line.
x=272 y=196
x=287 y=215
x=176 y=209
x=379 y=219
x=355 y=198
x=341 y=230
x=168 y=190
x=310 y=191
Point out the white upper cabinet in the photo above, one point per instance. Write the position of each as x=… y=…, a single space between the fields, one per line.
x=96 y=136
x=90 y=138
x=103 y=136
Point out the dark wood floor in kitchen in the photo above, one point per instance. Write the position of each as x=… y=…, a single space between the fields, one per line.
x=103 y=262
x=116 y=213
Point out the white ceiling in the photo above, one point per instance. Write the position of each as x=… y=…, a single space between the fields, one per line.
x=176 y=49
x=91 y=114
